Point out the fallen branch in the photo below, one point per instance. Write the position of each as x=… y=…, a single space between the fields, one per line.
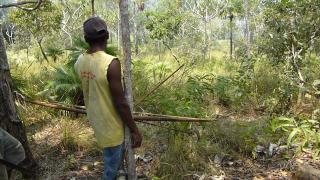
x=163 y=116
x=56 y=106
x=136 y=116
x=19 y=5
x=169 y=118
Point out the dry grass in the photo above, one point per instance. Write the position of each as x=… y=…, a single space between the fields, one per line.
x=62 y=146
x=65 y=148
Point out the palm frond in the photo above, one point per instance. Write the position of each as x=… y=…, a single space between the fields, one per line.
x=66 y=85
x=53 y=52
x=80 y=46
x=18 y=82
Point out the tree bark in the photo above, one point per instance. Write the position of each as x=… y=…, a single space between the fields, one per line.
x=206 y=42
x=9 y=119
x=119 y=33
x=136 y=27
x=247 y=27
x=159 y=52
x=126 y=46
x=42 y=51
x=231 y=35
x=92 y=8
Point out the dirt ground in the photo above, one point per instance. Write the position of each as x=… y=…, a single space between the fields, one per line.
x=91 y=167
x=57 y=162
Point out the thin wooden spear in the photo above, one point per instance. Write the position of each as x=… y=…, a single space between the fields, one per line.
x=158 y=85
x=136 y=117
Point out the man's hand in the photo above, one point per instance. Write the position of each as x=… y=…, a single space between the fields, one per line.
x=136 y=139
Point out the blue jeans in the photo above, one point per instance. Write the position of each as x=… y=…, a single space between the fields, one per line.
x=112 y=157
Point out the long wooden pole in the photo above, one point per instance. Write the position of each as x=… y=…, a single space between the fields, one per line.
x=231 y=35
x=168 y=118
x=158 y=85
x=56 y=106
x=136 y=116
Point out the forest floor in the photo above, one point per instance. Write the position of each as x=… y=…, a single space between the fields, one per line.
x=62 y=148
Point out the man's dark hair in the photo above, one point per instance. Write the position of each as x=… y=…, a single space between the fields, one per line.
x=97 y=40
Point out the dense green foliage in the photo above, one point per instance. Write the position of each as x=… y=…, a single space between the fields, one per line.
x=301 y=131
x=41 y=23
x=266 y=91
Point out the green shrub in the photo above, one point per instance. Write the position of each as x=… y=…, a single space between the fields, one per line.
x=188 y=99
x=64 y=87
x=300 y=131
x=221 y=88
x=271 y=89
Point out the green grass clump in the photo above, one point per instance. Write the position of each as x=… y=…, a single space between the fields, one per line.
x=76 y=135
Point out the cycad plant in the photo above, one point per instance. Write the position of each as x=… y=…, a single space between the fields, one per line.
x=66 y=85
x=79 y=47
x=19 y=84
x=54 y=53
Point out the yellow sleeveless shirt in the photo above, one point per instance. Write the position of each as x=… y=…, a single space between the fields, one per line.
x=104 y=119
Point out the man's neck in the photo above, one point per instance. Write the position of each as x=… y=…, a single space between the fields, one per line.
x=94 y=49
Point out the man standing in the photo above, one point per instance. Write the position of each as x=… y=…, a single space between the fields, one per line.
x=106 y=105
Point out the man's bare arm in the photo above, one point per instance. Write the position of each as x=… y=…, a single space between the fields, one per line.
x=120 y=102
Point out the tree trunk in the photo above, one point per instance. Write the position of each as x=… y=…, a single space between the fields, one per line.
x=126 y=46
x=231 y=35
x=110 y=37
x=42 y=51
x=119 y=33
x=206 y=45
x=92 y=8
x=136 y=26
x=301 y=93
x=10 y=120
x=159 y=50
x=247 y=28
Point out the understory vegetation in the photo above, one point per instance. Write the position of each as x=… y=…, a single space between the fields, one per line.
x=265 y=93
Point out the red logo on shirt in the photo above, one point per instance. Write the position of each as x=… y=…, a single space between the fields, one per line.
x=87 y=75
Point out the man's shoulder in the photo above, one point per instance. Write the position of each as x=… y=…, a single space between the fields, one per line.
x=109 y=56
